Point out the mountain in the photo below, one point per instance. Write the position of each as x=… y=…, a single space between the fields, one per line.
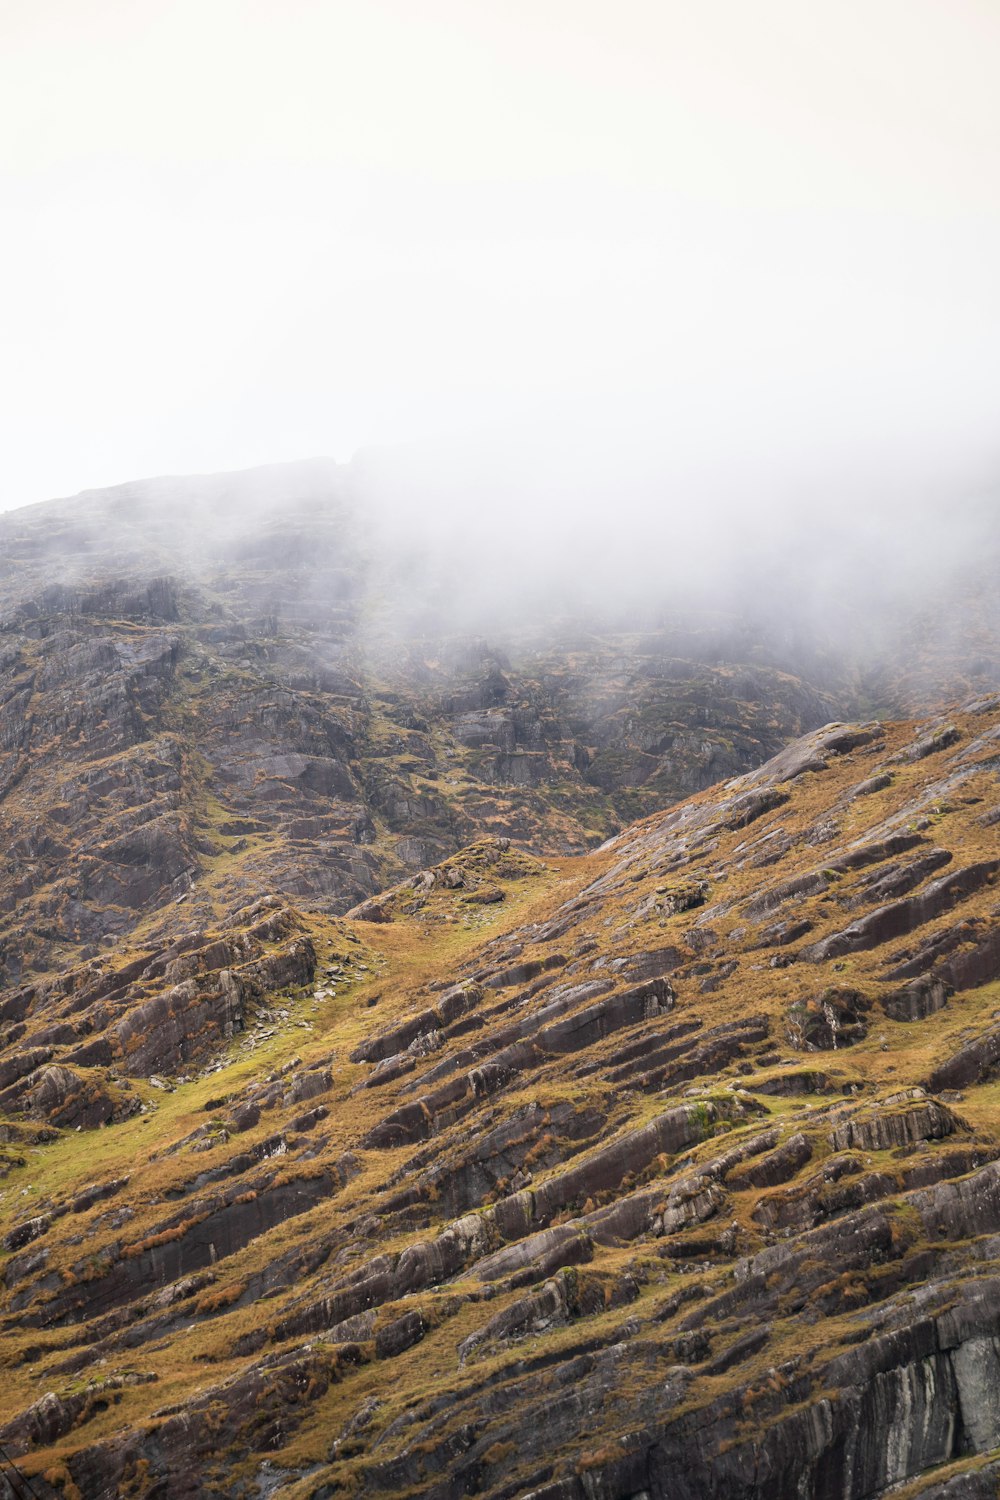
x=206 y=693
x=553 y=1062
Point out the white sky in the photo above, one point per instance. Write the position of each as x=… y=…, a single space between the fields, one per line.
x=756 y=240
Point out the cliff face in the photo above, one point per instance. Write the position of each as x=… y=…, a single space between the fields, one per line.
x=358 y=1135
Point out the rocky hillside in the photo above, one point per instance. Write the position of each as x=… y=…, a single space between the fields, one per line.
x=216 y=688
x=206 y=696
x=379 y=988
x=670 y=1168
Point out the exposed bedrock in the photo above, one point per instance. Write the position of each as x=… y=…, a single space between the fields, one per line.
x=869 y=1418
x=551 y=1031
x=548 y=1195
x=202 y=1233
x=901 y=917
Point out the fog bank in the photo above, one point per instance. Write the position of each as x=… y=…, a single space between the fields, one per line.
x=654 y=253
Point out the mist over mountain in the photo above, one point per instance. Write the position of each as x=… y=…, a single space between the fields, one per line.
x=367 y=670
x=496 y=1000
x=500 y=926
x=428 y=546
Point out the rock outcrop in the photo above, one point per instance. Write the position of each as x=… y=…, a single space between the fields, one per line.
x=357 y=1139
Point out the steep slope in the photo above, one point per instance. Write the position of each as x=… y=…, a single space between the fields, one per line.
x=205 y=696
x=668 y=1168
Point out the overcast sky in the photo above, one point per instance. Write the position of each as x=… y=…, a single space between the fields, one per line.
x=754 y=243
